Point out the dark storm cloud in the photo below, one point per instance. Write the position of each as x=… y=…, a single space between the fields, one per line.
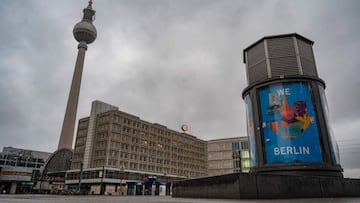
x=30 y=65
x=173 y=66
x=169 y=62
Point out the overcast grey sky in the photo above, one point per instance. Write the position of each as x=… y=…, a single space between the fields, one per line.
x=166 y=61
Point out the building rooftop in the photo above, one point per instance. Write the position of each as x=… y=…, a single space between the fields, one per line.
x=25 y=152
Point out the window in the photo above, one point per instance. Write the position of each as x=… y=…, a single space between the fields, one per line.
x=112 y=163
x=244 y=145
x=235 y=146
x=245 y=154
x=245 y=163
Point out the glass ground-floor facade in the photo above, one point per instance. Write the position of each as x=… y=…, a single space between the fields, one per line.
x=16 y=180
x=124 y=189
x=112 y=181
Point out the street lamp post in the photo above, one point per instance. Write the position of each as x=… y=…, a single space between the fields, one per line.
x=41 y=183
x=33 y=175
x=80 y=175
x=101 y=181
x=122 y=169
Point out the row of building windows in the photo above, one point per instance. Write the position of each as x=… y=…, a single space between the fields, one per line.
x=134 y=140
x=104 y=173
x=80 y=141
x=83 y=124
x=15 y=160
x=160 y=149
x=21 y=164
x=116 y=144
x=241 y=154
x=154 y=168
x=11 y=157
x=184 y=170
x=151 y=153
x=82 y=132
x=79 y=148
x=184 y=162
x=153 y=129
x=147 y=161
x=240 y=145
x=78 y=156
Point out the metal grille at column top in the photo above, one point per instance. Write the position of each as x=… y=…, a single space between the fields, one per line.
x=279 y=56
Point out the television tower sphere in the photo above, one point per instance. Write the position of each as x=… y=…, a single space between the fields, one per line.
x=85 y=31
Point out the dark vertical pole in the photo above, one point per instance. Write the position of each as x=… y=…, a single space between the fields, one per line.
x=33 y=176
x=122 y=169
x=101 y=182
x=80 y=175
x=41 y=182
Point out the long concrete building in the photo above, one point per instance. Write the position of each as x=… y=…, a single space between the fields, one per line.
x=116 y=152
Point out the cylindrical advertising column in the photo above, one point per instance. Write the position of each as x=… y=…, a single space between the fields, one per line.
x=287 y=113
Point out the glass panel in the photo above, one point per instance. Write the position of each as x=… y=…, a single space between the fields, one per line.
x=250 y=129
x=332 y=140
x=244 y=145
x=245 y=154
x=245 y=163
x=290 y=131
x=59 y=161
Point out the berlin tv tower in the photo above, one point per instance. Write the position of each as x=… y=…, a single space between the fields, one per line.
x=85 y=33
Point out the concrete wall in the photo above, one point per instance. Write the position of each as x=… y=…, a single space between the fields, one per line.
x=249 y=186
x=224 y=186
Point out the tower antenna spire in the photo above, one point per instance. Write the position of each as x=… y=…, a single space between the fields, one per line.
x=90 y=4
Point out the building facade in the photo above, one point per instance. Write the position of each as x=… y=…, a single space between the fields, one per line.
x=19 y=168
x=119 y=152
x=230 y=155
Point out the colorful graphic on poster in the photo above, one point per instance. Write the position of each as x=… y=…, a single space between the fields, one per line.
x=289 y=126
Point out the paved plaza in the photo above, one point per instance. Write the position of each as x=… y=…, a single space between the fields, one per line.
x=148 y=199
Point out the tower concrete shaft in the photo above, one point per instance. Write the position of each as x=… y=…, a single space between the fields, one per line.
x=67 y=131
x=85 y=33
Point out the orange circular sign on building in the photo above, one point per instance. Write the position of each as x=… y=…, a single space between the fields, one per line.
x=184 y=127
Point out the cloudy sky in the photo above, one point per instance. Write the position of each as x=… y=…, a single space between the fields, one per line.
x=167 y=61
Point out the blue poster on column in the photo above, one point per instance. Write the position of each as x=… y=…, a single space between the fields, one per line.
x=290 y=131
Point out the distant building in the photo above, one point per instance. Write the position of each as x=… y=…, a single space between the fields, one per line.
x=116 y=152
x=18 y=169
x=229 y=155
